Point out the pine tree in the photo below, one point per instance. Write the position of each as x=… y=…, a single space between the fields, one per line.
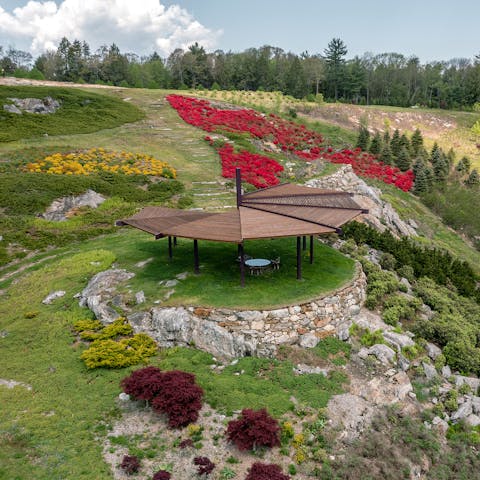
x=386 y=156
x=451 y=157
x=395 y=143
x=421 y=180
x=430 y=176
x=386 y=137
x=376 y=144
x=464 y=165
x=441 y=168
x=435 y=151
x=363 y=138
x=416 y=142
x=473 y=179
x=418 y=165
x=403 y=160
x=405 y=143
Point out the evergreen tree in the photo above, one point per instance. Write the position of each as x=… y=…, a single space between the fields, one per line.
x=386 y=137
x=376 y=144
x=386 y=156
x=405 y=143
x=430 y=176
x=473 y=179
x=335 y=61
x=395 y=143
x=418 y=165
x=416 y=142
x=451 y=157
x=441 y=168
x=463 y=166
x=421 y=180
x=363 y=138
x=403 y=160
x=435 y=151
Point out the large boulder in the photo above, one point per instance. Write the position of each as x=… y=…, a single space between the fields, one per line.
x=60 y=208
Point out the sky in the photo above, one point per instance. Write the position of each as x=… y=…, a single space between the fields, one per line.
x=429 y=29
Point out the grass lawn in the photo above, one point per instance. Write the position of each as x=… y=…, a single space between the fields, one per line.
x=56 y=430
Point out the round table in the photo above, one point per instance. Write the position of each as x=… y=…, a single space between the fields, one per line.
x=257 y=262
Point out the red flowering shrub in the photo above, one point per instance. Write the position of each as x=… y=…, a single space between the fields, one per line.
x=205 y=466
x=186 y=443
x=254 y=429
x=162 y=475
x=288 y=136
x=130 y=464
x=143 y=384
x=264 y=471
x=179 y=398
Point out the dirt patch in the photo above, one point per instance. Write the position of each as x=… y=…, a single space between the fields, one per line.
x=351 y=116
x=22 y=82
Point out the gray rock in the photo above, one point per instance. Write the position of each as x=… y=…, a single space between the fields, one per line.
x=280 y=313
x=302 y=369
x=171 y=283
x=463 y=411
x=383 y=353
x=402 y=385
x=433 y=351
x=35 y=105
x=99 y=292
x=308 y=340
x=350 y=414
x=60 y=209
x=343 y=331
x=405 y=282
x=446 y=372
x=181 y=276
x=472 y=420
x=402 y=362
x=476 y=405
x=250 y=315
x=429 y=370
x=398 y=340
x=143 y=262
x=472 y=382
x=12 y=109
x=124 y=397
x=53 y=296
x=440 y=424
x=140 y=297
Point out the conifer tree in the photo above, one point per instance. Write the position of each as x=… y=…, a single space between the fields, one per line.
x=386 y=137
x=463 y=166
x=416 y=142
x=473 y=179
x=395 y=143
x=435 y=151
x=403 y=160
x=441 y=168
x=386 y=156
x=376 y=144
x=421 y=180
x=405 y=142
x=418 y=165
x=430 y=176
x=363 y=138
x=451 y=157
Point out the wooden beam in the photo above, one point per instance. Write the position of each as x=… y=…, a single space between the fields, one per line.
x=196 y=267
x=311 y=249
x=170 y=253
x=242 y=265
x=304 y=246
x=299 y=259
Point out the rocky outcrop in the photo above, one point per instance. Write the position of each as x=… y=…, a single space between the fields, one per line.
x=53 y=296
x=381 y=214
x=98 y=294
x=64 y=207
x=42 y=106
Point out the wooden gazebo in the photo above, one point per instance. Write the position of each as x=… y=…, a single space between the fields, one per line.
x=285 y=210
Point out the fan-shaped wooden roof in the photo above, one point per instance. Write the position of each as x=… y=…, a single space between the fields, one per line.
x=285 y=210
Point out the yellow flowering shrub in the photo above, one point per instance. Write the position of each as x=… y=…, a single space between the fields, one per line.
x=86 y=162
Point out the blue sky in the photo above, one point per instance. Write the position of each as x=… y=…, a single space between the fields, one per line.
x=431 y=29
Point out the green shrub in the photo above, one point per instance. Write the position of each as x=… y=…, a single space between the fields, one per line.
x=372 y=338
x=388 y=261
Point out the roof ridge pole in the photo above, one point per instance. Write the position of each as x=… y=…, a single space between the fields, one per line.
x=238 y=185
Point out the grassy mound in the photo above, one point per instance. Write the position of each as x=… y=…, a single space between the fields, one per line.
x=80 y=112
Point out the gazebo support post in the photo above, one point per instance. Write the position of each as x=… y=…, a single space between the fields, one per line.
x=196 y=267
x=238 y=185
x=170 y=253
x=242 y=264
x=304 y=242
x=311 y=249
x=299 y=259
x=174 y=241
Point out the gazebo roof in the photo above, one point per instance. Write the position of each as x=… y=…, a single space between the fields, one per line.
x=285 y=210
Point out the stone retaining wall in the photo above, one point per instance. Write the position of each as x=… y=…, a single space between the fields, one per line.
x=229 y=333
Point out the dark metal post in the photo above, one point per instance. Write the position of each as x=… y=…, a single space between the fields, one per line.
x=304 y=242
x=238 y=185
x=299 y=259
x=174 y=241
x=242 y=265
x=170 y=253
x=196 y=268
x=311 y=249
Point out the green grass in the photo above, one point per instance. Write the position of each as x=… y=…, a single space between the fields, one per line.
x=80 y=112
x=70 y=409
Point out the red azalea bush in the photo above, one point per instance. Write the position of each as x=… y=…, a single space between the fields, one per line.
x=179 y=398
x=255 y=428
x=288 y=136
x=130 y=464
x=143 y=384
x=264 y=471
x=162 y=475
x=205 y=466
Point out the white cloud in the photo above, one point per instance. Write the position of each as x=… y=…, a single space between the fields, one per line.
x=140 y=26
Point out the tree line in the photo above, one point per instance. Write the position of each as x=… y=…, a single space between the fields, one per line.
x=382 y=79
